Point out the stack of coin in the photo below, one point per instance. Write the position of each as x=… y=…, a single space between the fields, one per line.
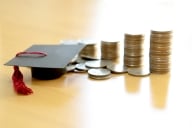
x=133 y=44
x=109 y=50
x=160 y=51
x=91 y=50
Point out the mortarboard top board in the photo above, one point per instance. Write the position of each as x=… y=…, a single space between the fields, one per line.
x=46 y=61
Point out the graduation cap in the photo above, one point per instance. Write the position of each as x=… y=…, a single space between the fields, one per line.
x=46 y=62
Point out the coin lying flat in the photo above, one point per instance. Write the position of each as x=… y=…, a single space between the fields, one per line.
x=81 y=66
x=99 y=73
x=141 y=71
x=100 y=78
x=117 y=68
x=97 y=63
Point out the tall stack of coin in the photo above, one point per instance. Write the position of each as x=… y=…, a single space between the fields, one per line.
x=109 y=50
x=91 y=50
x=160 y=51
x=133 y=46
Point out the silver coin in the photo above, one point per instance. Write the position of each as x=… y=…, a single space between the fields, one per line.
x=117 y=68
x=99 y=72
x=141 y=71
x=100 y=78
x=97 y=63
x=81 y=66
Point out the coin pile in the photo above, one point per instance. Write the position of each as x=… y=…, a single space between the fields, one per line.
x=160 y=51
x=133 y=44
x=90 y=51
x=109 y=50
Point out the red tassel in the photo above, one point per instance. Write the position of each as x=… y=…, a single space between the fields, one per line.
x=18 y=83
x=17 y=76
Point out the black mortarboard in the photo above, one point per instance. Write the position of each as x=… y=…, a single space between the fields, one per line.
x=46 y=62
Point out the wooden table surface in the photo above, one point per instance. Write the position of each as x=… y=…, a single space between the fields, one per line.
x=74 y=100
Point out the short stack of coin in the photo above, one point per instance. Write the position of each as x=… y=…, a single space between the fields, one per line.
x=160 y=42
x=91 y=50
x=133 y=46
x=110 y=50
